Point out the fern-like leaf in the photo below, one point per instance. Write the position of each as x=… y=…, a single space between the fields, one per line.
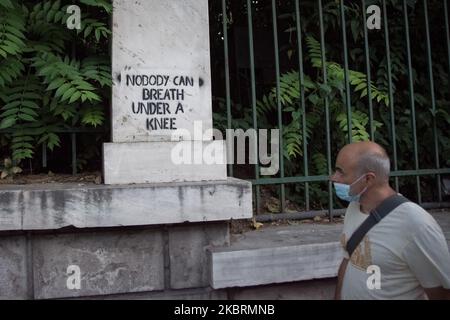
x=12 y=28
x=20 y=102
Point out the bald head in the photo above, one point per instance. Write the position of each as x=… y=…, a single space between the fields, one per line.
x=367 y=156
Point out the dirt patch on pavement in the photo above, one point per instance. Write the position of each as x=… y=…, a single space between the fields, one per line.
x=85 y=178
x=245 y=225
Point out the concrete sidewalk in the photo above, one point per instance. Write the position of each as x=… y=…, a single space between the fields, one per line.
x=282 y=254
x=308 y=233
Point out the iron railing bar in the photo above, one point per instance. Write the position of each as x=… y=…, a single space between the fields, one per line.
x=227 y=82
x=327 y=109
x=433 y=99
x=280 y=115
x=287 y=180
x=66 y=130
x=346 y=76
x=368 y=72
x=322 y=178
x=390 y=92
x=302 y=99
x=253 y=90
x=447 y=34
x=411 y=98
x=336 y=213
x=420 y=172
x=298 y=215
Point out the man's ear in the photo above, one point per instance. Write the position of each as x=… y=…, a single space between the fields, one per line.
x=371 y=177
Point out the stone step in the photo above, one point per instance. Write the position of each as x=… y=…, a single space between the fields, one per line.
x=55 y=206
x=284 y=254
x=277 y=255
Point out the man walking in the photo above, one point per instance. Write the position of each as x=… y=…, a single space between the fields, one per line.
x=401 y=240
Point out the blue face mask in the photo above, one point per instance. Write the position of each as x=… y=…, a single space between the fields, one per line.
x=343 y=191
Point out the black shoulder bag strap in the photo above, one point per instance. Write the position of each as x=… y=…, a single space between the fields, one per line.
x=374 y=217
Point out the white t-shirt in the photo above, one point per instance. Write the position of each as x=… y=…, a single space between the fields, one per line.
x=407 y=246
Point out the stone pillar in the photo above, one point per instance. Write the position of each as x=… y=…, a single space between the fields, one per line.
x=162 y=115
x=161 y=107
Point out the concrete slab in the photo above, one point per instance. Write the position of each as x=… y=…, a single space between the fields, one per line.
x=188 y=256
x=277 y=255
x=13 y=270
x=107 y=262
x=274 y=265
x=11 y=208
x=153 y=162
x=54 y=206
x=283 y=236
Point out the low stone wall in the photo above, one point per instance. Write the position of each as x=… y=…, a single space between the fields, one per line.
x=144 y=239
x=146 y=261
x=152 y=262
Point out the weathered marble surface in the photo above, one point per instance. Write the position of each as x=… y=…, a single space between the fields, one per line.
x=45 y=207
x=154 y=37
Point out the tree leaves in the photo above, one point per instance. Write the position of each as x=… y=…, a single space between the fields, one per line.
x=67 y=80
x=316 y=90
x=6 y=4
x=50 y=139
x=320 y=163
x=11 y=31
x=20 y=103
x=10 y=69
x=93 y=116
x=21 y=146
x=42 y=88
x=94 y=27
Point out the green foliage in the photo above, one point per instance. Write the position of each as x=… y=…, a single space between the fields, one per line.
x=336 y=75
x=320 y=163
x=360 y=122
x=20 y=102
x=333 y=90
x=51 y=78
x=316 y=91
